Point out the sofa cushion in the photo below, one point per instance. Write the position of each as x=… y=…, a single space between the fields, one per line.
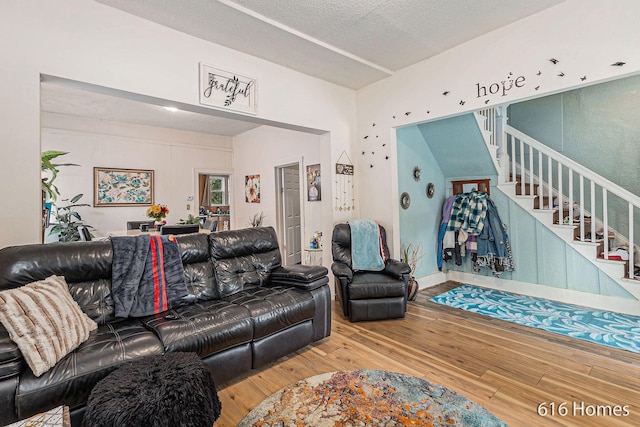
x=198 y=269
x=95 y=299
x=243 y=258
x=70 y=381
x=375 y=285
x=204 y=328
x=75 y=261
x=44 y=321
x=11 y=360
x=275 y=308
x=200 y=280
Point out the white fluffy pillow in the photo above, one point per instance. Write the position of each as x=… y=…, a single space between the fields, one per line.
x=44 y=321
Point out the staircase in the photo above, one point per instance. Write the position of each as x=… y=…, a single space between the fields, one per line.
x=569 y=199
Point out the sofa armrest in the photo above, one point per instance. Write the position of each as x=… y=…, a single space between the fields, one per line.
x=397 y=268
x=342 y=270
x=11 y=361
x=301 y=276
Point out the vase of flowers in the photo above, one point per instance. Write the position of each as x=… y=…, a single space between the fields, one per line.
x=158 y=214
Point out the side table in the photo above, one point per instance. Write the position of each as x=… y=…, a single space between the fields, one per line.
x=313 y=256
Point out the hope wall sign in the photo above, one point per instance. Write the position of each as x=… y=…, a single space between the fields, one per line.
x=227 y=90
x=501 y=87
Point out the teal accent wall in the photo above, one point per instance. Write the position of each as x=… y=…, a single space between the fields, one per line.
x=419 y=223
x=457 y=146
x=541 y=256
x=597 y=126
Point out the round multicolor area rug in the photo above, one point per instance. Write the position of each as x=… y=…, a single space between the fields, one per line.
x=367 y=398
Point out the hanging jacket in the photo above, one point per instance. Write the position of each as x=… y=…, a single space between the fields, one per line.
x=446 y=214
x=494 y=249
x=468 y=212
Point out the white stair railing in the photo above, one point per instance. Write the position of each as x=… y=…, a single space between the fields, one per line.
x=490 y=123
x=526 y=155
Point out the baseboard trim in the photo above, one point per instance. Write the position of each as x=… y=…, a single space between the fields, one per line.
x=431 y=280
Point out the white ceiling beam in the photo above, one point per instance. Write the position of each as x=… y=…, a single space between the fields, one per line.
x=304 y=36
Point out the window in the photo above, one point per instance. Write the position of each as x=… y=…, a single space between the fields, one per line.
x=218 y=190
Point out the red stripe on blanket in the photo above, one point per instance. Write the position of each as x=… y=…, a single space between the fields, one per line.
x=157 y=260
x=163 y=279
x=154 y=265
x=382 y=254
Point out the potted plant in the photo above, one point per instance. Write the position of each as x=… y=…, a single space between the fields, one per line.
x=68 y=220
x=256 y=220
x=191 y=220
x=411 y=255
x=50 y=172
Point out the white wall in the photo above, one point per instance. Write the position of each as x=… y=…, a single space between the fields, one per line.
x=173 y=155
x=586 y=36
x=89 y=42
x=260 y=151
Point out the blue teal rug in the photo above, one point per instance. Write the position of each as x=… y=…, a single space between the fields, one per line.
x=601 y=327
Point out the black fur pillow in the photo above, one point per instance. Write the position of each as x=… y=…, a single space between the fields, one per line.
x=172 y=390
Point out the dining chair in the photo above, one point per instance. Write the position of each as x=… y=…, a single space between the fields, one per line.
x=180 y=229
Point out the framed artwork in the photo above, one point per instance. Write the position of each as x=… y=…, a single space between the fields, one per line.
x=122 y=187
x=252 y=188
x=466 y=186
x=227 y=90
x=314 y=193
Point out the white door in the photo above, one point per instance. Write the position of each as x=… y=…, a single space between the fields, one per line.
x=290 y=179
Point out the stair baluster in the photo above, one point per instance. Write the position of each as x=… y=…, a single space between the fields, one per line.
x=532 y=184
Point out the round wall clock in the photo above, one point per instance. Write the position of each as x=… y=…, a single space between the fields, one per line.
x=405 y=200
x=431 y=189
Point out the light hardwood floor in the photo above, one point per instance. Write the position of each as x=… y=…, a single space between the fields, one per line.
x=507 y=368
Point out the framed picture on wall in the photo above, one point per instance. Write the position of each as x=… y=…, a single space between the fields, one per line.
x=314 y=193
x=467 y=186
x=252 y=188
x=122 y=187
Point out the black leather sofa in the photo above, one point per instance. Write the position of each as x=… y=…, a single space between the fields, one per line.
x=244 y=310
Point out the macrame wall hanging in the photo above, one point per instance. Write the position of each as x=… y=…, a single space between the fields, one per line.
x=344 y=196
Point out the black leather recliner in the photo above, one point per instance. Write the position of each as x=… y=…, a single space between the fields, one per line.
x=368 y=295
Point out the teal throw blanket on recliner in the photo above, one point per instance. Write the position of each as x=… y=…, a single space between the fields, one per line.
x=365 y=245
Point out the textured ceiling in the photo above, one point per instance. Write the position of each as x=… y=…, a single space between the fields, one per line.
x=351 y=43
x=62 y=98
x=348 y=42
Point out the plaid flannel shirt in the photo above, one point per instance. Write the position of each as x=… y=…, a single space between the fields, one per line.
x=468 y=213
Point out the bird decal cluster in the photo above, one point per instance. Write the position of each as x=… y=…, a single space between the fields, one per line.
x=494 y=89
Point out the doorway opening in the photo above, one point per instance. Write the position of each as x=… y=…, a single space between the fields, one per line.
x=214 y=198
x=289 y=215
